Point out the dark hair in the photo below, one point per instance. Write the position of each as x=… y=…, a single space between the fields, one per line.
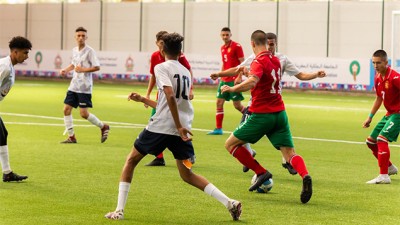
x=80 y=29
x=19 y=42
x=271 y=36
x=381 y=54
x=160 y=34
x=259 y=37
x=172 y=44
x=226 y=29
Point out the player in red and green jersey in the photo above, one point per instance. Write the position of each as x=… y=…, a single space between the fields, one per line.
x=157 y=58
x=232 y=56
x=387 y=86
x=268 y=117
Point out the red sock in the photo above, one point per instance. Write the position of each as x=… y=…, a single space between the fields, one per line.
x=298 y=164
x=245 y=158
x=242 y=109
x=383 y=156
x=219 y=117
x=160 y=156
x=374 y=148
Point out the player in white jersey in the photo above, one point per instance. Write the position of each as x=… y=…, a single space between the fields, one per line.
x=19 y=50
x=169 y=128
x=288 y=68
x=84 y=63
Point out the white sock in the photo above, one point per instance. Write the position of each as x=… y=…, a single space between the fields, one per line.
x=213 y=191
x=5 y=163
x=247 y=146
x=95 y=121
x=69 y=126
x=122 y=195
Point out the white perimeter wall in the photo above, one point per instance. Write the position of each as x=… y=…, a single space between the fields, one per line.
x=355 y=27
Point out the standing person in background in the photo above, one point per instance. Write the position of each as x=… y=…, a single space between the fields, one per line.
x=156 y=58
x=268 y=117
x=169 y=128
x=84 y=63
x=232 y=55
x=387 y=87
x=19 y=50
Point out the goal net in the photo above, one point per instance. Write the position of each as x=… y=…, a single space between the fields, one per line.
x=395 y=57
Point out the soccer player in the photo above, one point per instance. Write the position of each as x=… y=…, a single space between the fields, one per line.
x=156 y=58
x=169 y=127
x=232 y=55
x=84 y=63
x=268 y=117
x=387 y=87
x=19 y=50
x=287 y=67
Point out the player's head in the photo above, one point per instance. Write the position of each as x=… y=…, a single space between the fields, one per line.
x=19 y=49
x=172 y=45
x=159 y=40
x=380 y=61
x=258 y=39
x=226 y=34
x=271 y=42
x=80 y=36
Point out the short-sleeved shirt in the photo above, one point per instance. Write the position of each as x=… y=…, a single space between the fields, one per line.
x=388 y=88
x=172 y=74
x=157 y=58
x=83 y=82
x=231 y=53
x=7 y=76
x=266 y=95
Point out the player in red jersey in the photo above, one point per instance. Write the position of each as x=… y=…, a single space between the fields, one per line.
x=156 y=58
x=387 y=86
x=268 y=117
x=232 y=56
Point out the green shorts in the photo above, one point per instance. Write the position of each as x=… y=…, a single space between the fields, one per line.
x=274 y=125
x=388 y=127
x=234 y=96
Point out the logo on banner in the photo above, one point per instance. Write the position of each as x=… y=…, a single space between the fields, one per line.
x=129 y=64
x=355 y=69
x=38 y=58
x=58 y=62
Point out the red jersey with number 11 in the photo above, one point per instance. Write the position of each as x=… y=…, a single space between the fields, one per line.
x=388 y=88
x=266 y=95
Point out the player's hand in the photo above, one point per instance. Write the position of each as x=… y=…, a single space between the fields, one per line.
x=191 y=95
x=183 y=132
x=367 y=122
x=226 y=88
x=321 y=74
x=145 y=105
x=214 y=76
x=238 y=79
x=79 y=69
x=135 y=97
x=63 y=73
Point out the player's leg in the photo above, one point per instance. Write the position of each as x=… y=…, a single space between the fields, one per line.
x=245 y=115
x=219 y=115
x=85 y=102
x=71 y=101
x=8 y=174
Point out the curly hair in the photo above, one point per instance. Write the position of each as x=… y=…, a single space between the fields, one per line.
x=19 y=42
x=172 y=44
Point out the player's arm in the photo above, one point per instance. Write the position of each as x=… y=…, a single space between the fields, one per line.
x=310 y=76
x=173 y=107
x=377 y=104
x=138 y=98
x=66 y=70
x=226 y=73
x=3 y=73
x=191 y=95
x=80 y=69
x=152 y=83
x=242 y=87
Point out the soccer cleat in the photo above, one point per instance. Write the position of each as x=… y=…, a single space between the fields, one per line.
x=260 y=180
x=116 y=215
x=216 y=131
x=104 y=133
x=157 y=162
x=13 y=177
x=306 y=193
x=392 y=170
x=70 y=140
x=381 y=179
x=235 y=208
x=245 y=168
x=290 y=168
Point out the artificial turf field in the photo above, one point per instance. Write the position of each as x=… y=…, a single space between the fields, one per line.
x=78 y=184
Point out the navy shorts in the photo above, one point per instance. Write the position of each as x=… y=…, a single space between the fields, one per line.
x=78 y=99
x=155 y=143
x=3 y=133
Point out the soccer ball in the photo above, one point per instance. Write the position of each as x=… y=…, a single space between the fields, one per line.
x=265 y=187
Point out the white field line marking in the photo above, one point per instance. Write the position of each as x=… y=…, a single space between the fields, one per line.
x=135 y=126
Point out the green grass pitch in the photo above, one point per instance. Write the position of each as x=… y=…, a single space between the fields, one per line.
x=78 y=184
